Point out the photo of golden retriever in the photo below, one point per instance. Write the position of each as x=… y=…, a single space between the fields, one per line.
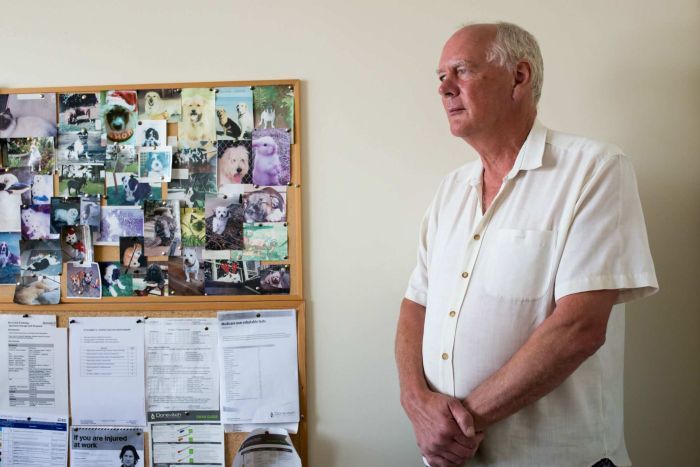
x=233 y=166
x=159 y=104
x=198 y=116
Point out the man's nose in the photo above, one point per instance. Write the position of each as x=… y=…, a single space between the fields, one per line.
x=447 y=87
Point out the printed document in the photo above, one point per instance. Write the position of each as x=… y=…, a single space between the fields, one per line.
x=182 y=443
x=258 y=366
x=39 y=442
x=106 y=447
x=182 y=373
x=107 y=371
x=33 y=366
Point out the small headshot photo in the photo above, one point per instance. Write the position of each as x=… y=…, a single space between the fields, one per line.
x=38 y=154
x=128 y=456
x=151 y=133
x=271 y=157
x=234 y=113
x=160 y=104
x=155 y=165
x=27 y=115
x=265 y=205
x=234 y=164
x=78 y=111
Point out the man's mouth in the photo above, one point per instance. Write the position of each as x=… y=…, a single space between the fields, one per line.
x=454 y=110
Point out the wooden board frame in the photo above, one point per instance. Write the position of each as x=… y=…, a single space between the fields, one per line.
x=198 y=306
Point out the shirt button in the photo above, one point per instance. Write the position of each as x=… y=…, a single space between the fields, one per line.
x=477 y=237
x=465 y=274
x=452 y=314
x=445 y=356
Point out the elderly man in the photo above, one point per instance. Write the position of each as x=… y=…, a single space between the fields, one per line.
x=507 y=349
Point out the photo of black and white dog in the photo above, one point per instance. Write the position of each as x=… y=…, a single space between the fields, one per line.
x=151 y=133
x=114 y=282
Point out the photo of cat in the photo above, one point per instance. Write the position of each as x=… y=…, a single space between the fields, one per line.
x=27 y=115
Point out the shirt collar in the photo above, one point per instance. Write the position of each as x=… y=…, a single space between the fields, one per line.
x=529 y=157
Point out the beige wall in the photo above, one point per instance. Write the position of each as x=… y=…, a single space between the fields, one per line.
x=377 y=144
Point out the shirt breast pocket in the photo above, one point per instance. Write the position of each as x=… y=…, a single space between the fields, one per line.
x=518 y=263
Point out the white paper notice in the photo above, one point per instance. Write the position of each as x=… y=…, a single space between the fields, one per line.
x=33 y=366
x=37 y=442
x=194 y=444
x=267 y=448
x=106 y=447
x=258 y=366
x=107 y=371
x=182 y=373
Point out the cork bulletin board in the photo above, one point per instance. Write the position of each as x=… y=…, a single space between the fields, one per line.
x=173 y=305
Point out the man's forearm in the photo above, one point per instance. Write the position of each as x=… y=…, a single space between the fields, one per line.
x=408 y=347
x=572 y=333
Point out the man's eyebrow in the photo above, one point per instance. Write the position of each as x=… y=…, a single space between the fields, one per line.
x=456 y=64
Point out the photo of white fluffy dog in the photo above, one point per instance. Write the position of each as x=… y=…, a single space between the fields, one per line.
x=154 y=106
x=198 y=116
x=233 y=166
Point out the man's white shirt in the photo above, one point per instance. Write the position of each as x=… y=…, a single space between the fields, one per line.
x=567 y=219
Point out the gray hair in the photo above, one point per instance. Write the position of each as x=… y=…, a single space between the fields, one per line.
x=513 y=44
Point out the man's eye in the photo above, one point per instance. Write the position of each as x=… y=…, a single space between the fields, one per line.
x=441 y=78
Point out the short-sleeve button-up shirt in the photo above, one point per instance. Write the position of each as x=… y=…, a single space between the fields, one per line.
x=567 y=219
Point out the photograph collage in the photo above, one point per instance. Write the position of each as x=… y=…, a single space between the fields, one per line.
x=188 y=184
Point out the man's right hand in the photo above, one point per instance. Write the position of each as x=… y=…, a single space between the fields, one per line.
x=443 y=427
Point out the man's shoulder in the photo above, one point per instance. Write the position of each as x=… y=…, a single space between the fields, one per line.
x=581 y=147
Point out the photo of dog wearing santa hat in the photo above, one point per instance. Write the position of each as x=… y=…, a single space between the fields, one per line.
x=119 y=116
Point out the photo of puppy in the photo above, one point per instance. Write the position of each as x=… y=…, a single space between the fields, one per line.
x=64 y=212
x=27 y=115
x=151 y=133
x=274 y=107
x=265 y=242
x=159 y=104
x=42 y=189
x=36 y=222
x=114 y=282
x=37 y=154
x=193 y=226
x=84 y=280
x=233 y=166
x=186 y=273
x=9 y=257
x=41 y=257
x=119 y=221
x=119 y=115
x=155 y=165
x=131 y=254
x=271 y=157
x=265 y=205
x=234 y=113
x=198 y=116
x=38 y=289
x=161 y=230
x=224 y=223
x=79 y=111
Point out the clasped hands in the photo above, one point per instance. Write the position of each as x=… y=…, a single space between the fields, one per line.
x=444 y=428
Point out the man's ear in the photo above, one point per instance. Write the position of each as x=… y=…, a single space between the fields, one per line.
x=522 y=77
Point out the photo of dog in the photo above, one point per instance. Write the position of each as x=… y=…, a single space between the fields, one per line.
x=271 y=157
x=90 y=212
x=11 y=198
x=119 y=116
x=274 y=107
x=9 y=257
x=121 y=158
x=80 y=146
x=125 y=189
x=114 y=282
x=76 y=243
x=186 y=273
x=275 y=279
x=155 y=165
x=84 y=280
x=38 y=154
x=119 y=221
x=38 y=289
x=265 y=242
x=154 y=281
x=27 y=115
x=234 y=164
x=41 y=257
x=23 y=184
x=77 y=111
x=81 y=179
x=193 y=227
x=151 y=133
x=160 y=104
x=161 y=230
x=198 y=116
x=132 y=255
x=224 y=223
x=265 y=205
x=36 y=222
x=234 y=113
x=228 y=277
x=42 y=189
x=64 y=212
